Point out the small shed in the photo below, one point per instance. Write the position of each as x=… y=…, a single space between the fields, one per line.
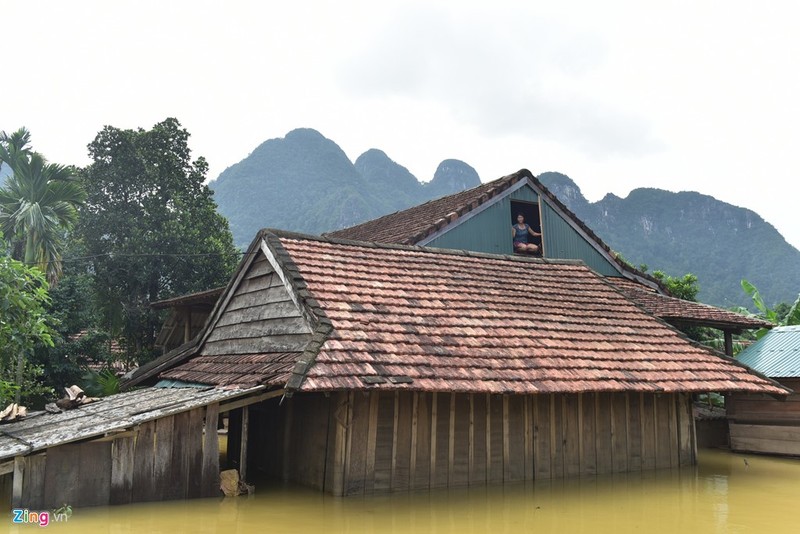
x=762 y=423
x=404 y=367
x=151 y=444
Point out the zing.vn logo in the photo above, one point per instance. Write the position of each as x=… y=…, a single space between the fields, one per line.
x=23 y=515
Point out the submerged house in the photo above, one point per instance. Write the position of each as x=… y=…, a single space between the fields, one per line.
x=399 y=367
x=760 y=423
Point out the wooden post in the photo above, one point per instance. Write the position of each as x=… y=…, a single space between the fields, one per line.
x=210 y=470
x=17 y=484
x=729 y=343
x=243 y=443
x=187 y=324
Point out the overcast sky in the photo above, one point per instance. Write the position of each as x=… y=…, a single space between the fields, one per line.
x=683 y=96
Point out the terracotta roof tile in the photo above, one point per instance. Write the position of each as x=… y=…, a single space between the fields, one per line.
x=479 y=323
x=683 y=311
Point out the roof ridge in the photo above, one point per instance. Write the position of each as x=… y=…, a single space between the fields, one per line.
x=287 y=234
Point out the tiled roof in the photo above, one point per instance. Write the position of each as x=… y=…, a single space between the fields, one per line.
x=410 y=226
x=777 y=354
x=672 y=309
x=432 y=320
x=208 y=298
x=245 y=370
x=415 y=224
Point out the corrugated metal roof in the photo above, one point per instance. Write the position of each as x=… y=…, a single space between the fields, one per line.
x=113 y=413
x=776 y=355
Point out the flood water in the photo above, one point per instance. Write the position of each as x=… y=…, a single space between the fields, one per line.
x=724 y=493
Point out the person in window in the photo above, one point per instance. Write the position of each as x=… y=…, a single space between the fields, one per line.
x=522 y=234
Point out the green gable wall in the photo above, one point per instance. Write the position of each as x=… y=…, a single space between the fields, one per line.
x=490 y=231
x=562 y=241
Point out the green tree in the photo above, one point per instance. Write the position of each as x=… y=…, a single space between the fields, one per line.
x=788 y=318
x=684 y=287
x=24 y=323
x=38 y=204
x=151 y=226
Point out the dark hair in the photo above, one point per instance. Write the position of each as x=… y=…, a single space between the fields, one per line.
x=521 y=215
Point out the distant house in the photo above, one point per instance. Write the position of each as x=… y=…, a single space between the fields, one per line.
x=480 y=219
x=395 y=367
x=186 y=316
x=761 y=423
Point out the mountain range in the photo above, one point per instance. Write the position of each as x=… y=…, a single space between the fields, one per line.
x=305 y=182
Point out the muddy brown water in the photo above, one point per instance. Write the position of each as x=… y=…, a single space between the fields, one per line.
x=723 y=494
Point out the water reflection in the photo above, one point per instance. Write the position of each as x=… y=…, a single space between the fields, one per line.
x=723 y=494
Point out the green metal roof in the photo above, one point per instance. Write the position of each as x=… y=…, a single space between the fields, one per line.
x=776 y=355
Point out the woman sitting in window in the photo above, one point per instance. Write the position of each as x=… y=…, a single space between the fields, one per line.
x=521 y=233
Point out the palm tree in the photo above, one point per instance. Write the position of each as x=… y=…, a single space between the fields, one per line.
x=38 y=204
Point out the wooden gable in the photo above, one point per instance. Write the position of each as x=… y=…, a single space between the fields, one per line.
x=488 y=229
x=261 y=314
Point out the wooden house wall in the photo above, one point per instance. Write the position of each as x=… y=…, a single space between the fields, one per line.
x=260 y=317
x=489 y=231
x=169 y=458
x=395 y=441
x=760 y=423
x=563 y=242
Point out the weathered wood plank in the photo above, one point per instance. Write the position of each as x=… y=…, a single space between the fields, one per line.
x=177 y=469
x=193 y=454
x=122 y=463
x=18 y=483
x=256 y=283
x=557 y=437
x=401 y=475
x=459 y=471
x=340 y=439
x=357 y=458
x=635 y=431
x=477 y=473
x=243 y=442
x=528 y=432
x=143 y=459
x=572 y=435
x=210 y=469
x=663 y=431
x=542 y=458
x=259 y=267
x=162 y=463
x=94 y=483
x=260 y=325
x=282 y=343
x=496 y=434
x=674 y=439
x=765 y=438
x=515 y=466
x=264 y=297
x=685 y=429
x=421 y=473
x=588 y=434
x=33 y=482
x=372 y=440
x=619 y=432
x=443 y=417
x=62 y=478
x=604 y=444
x=648 y=432
x=384 y=441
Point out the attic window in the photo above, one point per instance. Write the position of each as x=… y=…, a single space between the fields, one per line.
x=530 y=216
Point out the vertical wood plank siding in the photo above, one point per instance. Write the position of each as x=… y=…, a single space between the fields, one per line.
x=164 y=459
x=426 y=440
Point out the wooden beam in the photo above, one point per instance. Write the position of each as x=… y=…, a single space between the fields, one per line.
x=210 y=469
x=243 y=443
x=247 y=401
x=729 y=343
x=17 y=484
